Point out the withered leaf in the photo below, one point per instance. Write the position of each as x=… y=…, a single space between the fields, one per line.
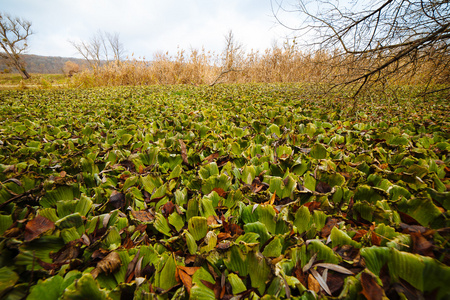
x=370 y=288
x=132 y=264
x=107 y=265
x=323 y=187
x=185 y=278
x=223 y=236
x=313 y=205
x=143 y=215
x=70 y=251
x=167 y=209
x=321 y=281
x=212 y=157
x=117 y=200
x=36 y=227
x=189 y=270
x=183 y=152
x=421 y=245
x=211 y=220
x=375 y=239
x=313 y=284
x=220 y=191
x=223 y=246
x=326 y=230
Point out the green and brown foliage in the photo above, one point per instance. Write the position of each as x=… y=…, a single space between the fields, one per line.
x=177 y=192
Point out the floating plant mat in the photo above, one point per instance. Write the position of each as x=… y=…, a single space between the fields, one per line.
x=237 y=190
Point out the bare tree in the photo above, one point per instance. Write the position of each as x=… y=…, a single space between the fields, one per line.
x=231 y=56
x=99 y=48
x=14 y=33
x=378 y=40
x=115 y=45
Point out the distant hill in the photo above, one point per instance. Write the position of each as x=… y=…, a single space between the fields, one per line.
x=44 y=64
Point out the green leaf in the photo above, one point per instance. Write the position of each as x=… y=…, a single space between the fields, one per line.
x=84 y=288
x=161 y=224
x=274 y=248
x=201 y=293
x=302 y=219
x=208 y=171
x=166 y=277
x=260 y=229
x=318 y=151
x=309 y=182
x=8 y=279
x=51 y=288
x=5 y=223
x=198 y=227
x=237 y=285
x=190 y=241
x=323 y=252
x=339 y=238
x=236 y=261
x=72 y=220
x=176 y=220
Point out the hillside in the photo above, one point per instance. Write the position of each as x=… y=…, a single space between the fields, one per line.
x=44 y=64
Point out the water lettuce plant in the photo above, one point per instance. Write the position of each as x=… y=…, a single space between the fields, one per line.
x=246 y=191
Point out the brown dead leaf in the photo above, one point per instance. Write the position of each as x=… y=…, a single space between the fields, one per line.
x=326 y=230
x=408 y=219
x=421 y=245
x=185 y=278
x=107 y=265
x=359 y=234
x=370 y=288
x=300 y=275
x=211 y=220
x=313 y=284
x=212 y=157
x=323 y=187
x=70 y=251
x=223 y=236
x=313 y=205
x=167 y=209
x=375 y=239
x=219 y=191
x=36 y=227
x=143 y=216
x=272 y=199
x=183 y=151
x=117 y=200
x=132 y=265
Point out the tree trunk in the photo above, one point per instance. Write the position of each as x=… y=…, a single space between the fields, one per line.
x=24 y=73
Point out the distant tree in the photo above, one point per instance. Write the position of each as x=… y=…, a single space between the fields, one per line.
x=71 y=68
x=379 y=40
x=102 y=46
x=232 y=57
x=14 y=33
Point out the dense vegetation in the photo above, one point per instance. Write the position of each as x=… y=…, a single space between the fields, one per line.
x=249 y=190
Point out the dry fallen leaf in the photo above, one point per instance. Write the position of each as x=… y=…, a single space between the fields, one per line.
x=183 y=151
x=107 y=265
x=321 y=281
x=313 y=284
x=370 y=288
x=36 y=227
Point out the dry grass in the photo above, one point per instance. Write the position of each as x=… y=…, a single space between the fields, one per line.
x=279 y=64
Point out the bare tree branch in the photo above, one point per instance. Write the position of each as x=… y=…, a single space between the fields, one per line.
x=14 y=33
x=379 y=40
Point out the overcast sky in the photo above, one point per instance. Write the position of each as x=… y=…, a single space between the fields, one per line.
x=148 y=26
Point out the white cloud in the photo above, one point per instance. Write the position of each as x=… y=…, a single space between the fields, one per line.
x=146 y=26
